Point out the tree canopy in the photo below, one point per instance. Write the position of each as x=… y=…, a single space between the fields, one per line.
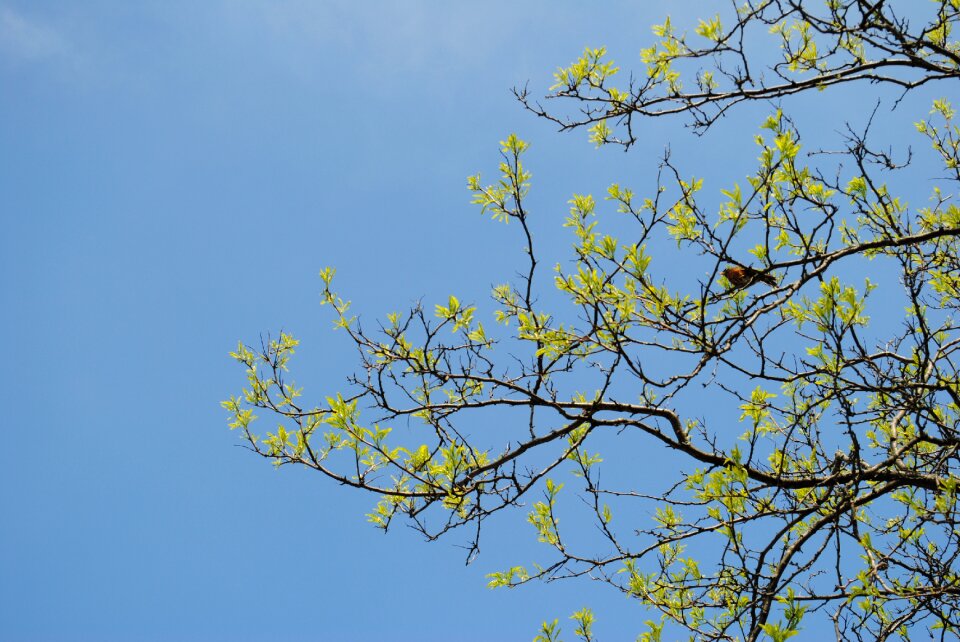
x=818 y=447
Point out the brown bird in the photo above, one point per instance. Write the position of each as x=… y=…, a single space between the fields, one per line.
x=744 y=277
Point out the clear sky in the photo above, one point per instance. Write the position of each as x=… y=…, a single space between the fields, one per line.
x=173 y=175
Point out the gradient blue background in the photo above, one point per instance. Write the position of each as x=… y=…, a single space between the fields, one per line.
x=172 y=177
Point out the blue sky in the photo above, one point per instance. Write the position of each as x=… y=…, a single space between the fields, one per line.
x=173 y=175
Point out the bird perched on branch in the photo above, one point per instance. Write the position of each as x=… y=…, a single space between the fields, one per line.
x=744 y=277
